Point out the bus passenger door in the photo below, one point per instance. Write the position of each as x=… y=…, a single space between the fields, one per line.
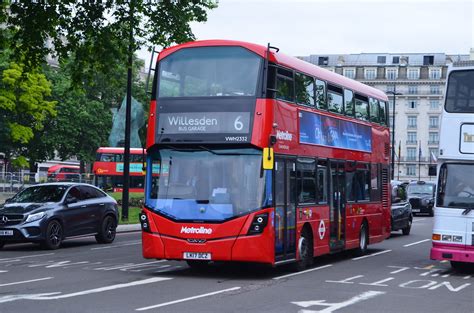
x=337 y=216
x=285 y=209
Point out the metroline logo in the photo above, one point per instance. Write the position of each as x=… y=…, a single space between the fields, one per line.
x=194 y=230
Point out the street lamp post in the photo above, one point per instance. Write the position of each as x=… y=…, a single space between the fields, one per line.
x=394 y=93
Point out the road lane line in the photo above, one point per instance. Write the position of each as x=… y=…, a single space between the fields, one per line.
x=26 y=281
x=415 y=243
x=370 y=255
x=467 y=277
x=2 y=271
x=186 y=299
x=118 y=246
x=27 y=256
x=302 y=272
x=419 y=220
x=106 y=288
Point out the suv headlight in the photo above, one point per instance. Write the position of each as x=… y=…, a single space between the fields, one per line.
x=35 y=217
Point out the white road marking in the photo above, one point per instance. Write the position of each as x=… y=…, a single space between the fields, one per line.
x=429 y=273
x=126 y=266
x=419 y=220
x=378 y=283
x=445 y=275
x=58 y=295
x=371 y=255
x=25 y=281
x=118 y=246
x=331 y=307
x=418 y=242
x=53 y=264
x=302 y=272
x=345 y=281
x=401 y=269
x=1 y=271
x=467 y=277
x=186 y=299
x=27 y=256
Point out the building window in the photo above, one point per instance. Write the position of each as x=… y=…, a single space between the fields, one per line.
x=323 y=61
x=411 y=154
x=411 y=138
x=396 y=60
x=381 y=59
x=433 y=138
x=412 y=104
x=434 y=90
x=370 y=73
x=434 y=121
x=390 y=105
x=390 y=88
x=411 y=121
x=411 y=170
x=434 y=104
x=428 y=60
x=412 y=90
x=391 y=73
x=433 y=154
x=413 y=73
x=350 y=73
x=435 y=73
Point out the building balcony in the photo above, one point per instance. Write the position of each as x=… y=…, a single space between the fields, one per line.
x=411 y=142
x=433 y=142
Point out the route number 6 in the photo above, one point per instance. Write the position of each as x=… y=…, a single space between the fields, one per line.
x=238 y=125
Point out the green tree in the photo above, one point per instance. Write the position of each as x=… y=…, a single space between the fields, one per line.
x=97 y=32
x=25 y=106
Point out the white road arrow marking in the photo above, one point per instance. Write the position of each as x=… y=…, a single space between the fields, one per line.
x=331 y=307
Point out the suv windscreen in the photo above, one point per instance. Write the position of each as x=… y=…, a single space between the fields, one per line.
x=40 y=194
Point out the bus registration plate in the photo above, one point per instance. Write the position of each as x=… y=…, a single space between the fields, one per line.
x=196 y=256
x=6 y=232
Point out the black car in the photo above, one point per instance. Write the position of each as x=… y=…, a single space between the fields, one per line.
x=48 y=213
x=402 y=217
x=421 y=196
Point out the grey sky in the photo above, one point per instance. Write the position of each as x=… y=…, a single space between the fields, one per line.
x=303 y=27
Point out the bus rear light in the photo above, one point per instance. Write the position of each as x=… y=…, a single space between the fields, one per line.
x=258 y=224
x=436 y=237
x=144 y=222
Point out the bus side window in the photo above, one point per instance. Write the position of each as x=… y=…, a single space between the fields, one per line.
x=348 y=102
x=306 y=192
x=382 y=112
x=284 y=85
x=322 y=182
x=374 y=110
x=335 y=101
x=361 y=108
x=321 y=95
x=304 y=86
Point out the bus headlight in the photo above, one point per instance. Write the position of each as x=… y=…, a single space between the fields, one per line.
x=258 y=224
x=457 y=238
x=144 y=222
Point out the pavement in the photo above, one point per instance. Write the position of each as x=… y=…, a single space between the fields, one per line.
x=127 y=228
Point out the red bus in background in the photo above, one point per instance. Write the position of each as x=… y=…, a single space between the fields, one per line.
x=262 y=157
x=62 y=172
x=108 y=169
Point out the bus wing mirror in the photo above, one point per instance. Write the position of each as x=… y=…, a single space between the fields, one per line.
x=268 y=158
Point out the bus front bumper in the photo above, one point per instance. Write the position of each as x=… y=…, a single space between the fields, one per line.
x=457 y=253
x=241 y=248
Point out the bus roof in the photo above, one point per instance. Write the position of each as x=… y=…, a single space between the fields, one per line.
x=288 y=61
x=119 y=150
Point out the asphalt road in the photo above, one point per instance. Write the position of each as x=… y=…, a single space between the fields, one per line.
x=397 y=276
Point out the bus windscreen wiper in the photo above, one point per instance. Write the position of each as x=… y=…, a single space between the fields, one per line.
x=466 y=211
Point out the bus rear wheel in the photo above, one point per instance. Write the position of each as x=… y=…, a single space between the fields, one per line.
x=363 y=239
x=305 y=250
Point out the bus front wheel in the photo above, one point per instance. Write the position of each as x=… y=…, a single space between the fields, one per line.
x=305 y=250
x=363 y=239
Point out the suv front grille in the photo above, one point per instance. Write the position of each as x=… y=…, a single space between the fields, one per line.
x=10 y=219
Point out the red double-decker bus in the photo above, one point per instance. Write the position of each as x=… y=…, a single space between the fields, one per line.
x=262 y=158
x=108 y=169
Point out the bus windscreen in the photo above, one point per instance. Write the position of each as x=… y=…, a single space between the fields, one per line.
x=460 y=92
x=456 y=186
x=209 y=72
